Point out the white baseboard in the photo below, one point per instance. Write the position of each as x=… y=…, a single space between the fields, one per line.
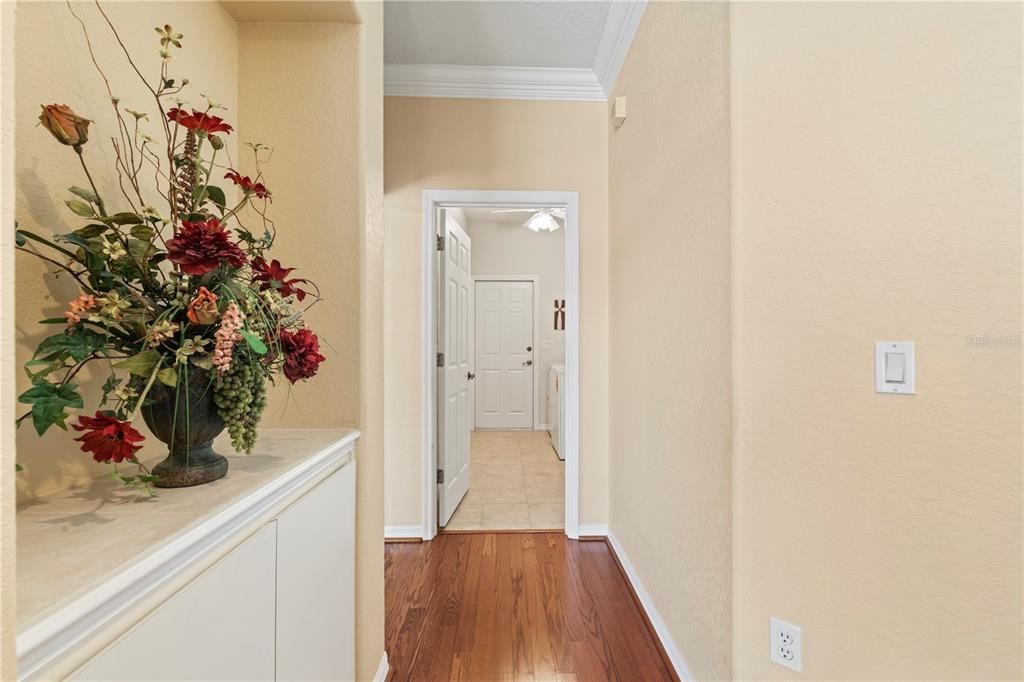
x=400 y=532
x=593 y=530
x=542 y=427
x=660 y=629
x=382 y=669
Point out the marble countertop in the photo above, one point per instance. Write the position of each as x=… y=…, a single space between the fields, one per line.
x=72 y=540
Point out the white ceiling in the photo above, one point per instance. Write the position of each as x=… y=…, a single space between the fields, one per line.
x=553 y=50
x=545 y=34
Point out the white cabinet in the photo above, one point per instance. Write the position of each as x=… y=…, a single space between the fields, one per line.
x=316 y=583
x=259 y=587
x=219 y=627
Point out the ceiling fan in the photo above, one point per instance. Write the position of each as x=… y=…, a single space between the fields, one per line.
x=543 y=219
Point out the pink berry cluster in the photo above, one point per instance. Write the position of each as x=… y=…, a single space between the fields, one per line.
x=227 y=335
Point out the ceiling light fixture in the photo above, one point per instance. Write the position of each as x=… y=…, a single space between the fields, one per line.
x=542 y=220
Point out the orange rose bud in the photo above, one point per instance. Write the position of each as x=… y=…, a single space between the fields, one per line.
x=203 y=308
x=65 y=125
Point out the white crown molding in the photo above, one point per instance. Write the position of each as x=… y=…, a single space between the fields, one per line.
x=521 y=82
x=491 y=82
x=619 y=29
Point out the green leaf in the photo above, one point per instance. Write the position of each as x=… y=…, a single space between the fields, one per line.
x=89 y=231
x=81 y=208
x=216 y=195
x=36 y=238
x=141 y=251
x=144 y=232
x=53 y=320
x=19 y=238
x=18 y=467
x=168 y=377
x=109 y=386
x=86 y=194
x=140 y=364
x=78 y=344
x=47 y=367
x=123 y=219
x=90 y=244
x=202 y=361
x=48 y=403
x=254 y=342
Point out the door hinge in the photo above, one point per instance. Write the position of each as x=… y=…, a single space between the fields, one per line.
x=440 y=242
x=440 y=476
x=440 y=359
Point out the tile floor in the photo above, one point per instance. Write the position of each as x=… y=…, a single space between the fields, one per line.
x=518 y=483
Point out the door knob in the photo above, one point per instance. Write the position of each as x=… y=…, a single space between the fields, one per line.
x=470 y=376
x=527 y=363
x=529 y=349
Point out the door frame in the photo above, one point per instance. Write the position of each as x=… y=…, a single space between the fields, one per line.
x=535 y=281
x=434 y=199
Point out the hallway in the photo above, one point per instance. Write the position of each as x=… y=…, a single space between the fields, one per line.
x=498 y=606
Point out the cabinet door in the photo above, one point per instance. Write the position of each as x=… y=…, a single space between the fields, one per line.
x=316 y=583
x=219 y=627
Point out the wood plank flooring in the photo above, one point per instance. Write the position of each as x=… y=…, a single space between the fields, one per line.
x=513 y=606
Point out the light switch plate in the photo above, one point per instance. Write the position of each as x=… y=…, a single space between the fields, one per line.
x=894 y=351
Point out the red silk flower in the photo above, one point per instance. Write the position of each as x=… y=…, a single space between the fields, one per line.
x=107 y=438
x=273 y=276
x=301 y=354
x=246 y=183
x=198 y=120
x=201 y=246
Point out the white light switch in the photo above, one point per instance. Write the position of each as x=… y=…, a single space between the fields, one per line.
x=895 y=370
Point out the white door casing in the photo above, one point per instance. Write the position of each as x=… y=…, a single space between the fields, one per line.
x=504 y=355
x=454 y=301
x=433 y=200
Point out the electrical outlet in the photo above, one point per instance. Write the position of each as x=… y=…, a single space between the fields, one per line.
x=785 y=643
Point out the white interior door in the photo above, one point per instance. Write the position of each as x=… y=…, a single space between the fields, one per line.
x=454 y=371
x=504 y=355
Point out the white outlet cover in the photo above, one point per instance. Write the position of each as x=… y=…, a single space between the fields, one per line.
x=786 y=645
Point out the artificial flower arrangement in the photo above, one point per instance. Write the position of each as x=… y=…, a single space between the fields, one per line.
x=181 y=305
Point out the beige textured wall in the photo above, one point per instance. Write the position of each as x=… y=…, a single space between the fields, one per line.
x=370 y=457
x=58 y=69
x=500 y=145
x=327 y=178
x=314 y=176
x=877 y=195
x=8 y=592
x=670 y=325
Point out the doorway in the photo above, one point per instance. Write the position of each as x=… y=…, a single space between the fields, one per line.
x=510 y=434
x=504 y=341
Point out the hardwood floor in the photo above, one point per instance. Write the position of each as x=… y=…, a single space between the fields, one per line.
x=513 y=606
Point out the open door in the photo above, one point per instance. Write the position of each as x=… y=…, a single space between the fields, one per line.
x=454 y=374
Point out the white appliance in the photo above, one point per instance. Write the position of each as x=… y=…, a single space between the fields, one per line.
x=556 y=407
